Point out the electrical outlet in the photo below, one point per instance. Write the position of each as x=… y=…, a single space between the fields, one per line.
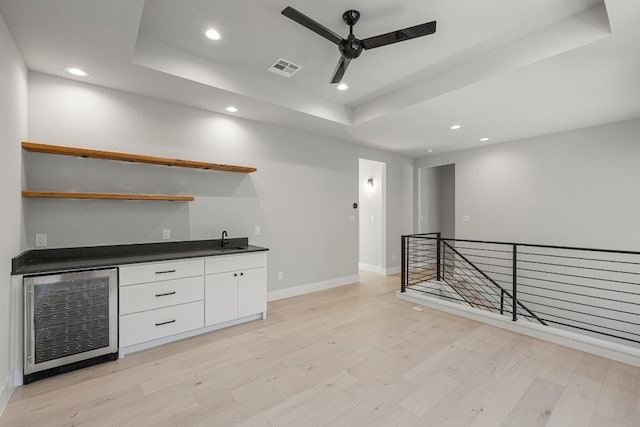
x=280 y=275
x=41 y=240
x=166 y=234
x=466 y=218
x=257 y=230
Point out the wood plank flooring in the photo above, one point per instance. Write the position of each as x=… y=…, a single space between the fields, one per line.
x=351 y=356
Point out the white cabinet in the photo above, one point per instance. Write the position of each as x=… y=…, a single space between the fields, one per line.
x=160 y=299
x=235 y=287
x=185 y=297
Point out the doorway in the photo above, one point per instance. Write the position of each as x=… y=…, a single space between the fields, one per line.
x=437 y=200
x=372 y=215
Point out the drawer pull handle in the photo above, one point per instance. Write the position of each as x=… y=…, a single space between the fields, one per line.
x=166 y=294
x=166 y=323
x=166 y=271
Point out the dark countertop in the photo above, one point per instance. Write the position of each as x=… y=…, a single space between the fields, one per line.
x=80 y=258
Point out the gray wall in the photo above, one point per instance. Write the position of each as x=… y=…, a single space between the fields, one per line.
x=577 y=188
x=301 y=195
x=13 y=128
x=447 y=200
x=436 y=198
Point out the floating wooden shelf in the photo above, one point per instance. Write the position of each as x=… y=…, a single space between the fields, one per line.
x=111 y=196
x=109 y=155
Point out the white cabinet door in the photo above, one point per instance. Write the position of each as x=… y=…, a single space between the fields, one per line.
x=221 y=298
x=252 y=292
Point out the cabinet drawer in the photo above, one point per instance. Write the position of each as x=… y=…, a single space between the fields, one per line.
x=158 y=271
x=137 y=328
x=223 y=263
x=148 y=296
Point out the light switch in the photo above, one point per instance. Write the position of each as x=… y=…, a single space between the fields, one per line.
x=257 y=230
x=166 y=234
x=352 y=219
x=466 y=218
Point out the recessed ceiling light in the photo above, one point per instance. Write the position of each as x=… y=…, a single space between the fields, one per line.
x=484 y=139
x=343 y=86
x=455 y=127
x=212 y=34
x=76 y=71
x=430 y=150
x=231 y=109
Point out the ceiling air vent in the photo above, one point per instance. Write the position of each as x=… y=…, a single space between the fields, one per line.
x=284 y=68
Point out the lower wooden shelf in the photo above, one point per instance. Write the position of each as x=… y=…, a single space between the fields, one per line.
x=109 y=196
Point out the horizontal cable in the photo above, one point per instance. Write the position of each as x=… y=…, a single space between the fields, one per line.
x=481 y=249
x=584 y=295
x=580 y=277
x=581 y=258
x=573 y=302
x=580 y=267
x=590 y=324
x=571 y=284
x=583 y=313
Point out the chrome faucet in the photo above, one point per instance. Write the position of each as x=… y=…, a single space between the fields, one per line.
x=222 y=241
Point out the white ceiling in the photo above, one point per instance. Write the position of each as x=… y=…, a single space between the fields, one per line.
x=502 y=69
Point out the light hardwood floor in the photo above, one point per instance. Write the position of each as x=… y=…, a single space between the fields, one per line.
x=351 y=356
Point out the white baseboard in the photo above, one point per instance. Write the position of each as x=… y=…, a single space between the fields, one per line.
x=370 y=267
x=311 y=287
x=379 y=269
x=391 y=271
x=6 y=390
x=599 y=347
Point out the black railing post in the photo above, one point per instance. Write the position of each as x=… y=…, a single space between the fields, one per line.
x=438 y=258
x=443 y=273
x=403 y=275
x=515 y=281
x=502 y=301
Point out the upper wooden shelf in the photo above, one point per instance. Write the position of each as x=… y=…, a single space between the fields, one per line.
x=106 y=196
x=109 y=155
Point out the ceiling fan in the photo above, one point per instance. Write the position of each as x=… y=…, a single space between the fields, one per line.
x=351 y=47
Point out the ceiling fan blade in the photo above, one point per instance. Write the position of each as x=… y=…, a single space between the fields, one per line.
x=400 y=35
x=305 y=21
x=341 y=68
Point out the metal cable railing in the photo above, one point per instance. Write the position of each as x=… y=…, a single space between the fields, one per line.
x=592 y=291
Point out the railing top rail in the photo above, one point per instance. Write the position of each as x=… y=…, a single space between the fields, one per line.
x=529 y=245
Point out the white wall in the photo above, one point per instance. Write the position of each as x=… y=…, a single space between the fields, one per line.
x=13 y=128
x=301 y=196
x=576 y=188
x=371 y=216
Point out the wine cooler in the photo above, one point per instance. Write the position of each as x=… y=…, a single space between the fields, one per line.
x=71 y=321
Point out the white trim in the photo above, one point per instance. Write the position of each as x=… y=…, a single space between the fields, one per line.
x=5 y=393
x=311 y=287
x=160 y=341
x=614 y=351
x=370 y=267
x=391 y=271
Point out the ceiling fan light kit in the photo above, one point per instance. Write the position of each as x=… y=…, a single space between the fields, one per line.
x=352 y=47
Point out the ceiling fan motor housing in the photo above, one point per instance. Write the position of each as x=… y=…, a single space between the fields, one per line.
x=351 y=47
